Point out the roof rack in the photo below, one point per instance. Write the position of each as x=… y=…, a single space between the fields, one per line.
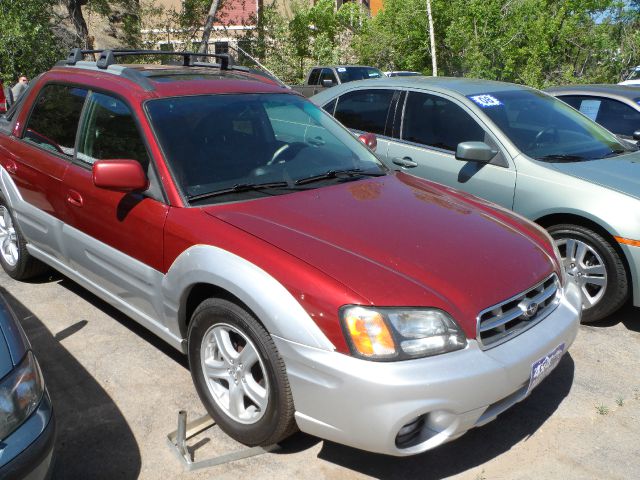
x=108 y=57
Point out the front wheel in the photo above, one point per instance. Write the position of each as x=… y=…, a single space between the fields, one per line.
x=239 y=375
x=592 y=262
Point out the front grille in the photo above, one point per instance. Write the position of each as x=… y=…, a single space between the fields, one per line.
x=501 y=322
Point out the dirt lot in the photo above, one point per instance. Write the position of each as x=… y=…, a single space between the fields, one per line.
x=117 y=389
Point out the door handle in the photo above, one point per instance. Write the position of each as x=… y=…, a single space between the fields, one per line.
x=74 y=198
x=405 y=162
x=12 y=168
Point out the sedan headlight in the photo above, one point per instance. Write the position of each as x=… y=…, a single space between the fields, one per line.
x=400 y=333
x=20 y=394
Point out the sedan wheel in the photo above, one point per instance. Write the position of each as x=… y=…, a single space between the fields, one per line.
x=595 y=266
x=585 y=267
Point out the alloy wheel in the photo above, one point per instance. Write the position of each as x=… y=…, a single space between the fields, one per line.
x=234 y=373
x=8 y=238
x=586 y=267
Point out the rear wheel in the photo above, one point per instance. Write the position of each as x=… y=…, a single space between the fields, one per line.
x=239 y=375
x=14 y=257
x=592 y=262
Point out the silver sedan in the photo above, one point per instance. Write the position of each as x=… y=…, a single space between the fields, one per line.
x=522 y=149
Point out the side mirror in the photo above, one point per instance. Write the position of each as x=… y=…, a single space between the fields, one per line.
x=326 y=83
x=636 y=135
x=120 y=175
x=370 y=140
x=475 y=152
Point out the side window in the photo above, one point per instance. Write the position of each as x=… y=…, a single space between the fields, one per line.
x=54 y=120
x=327 y=74
x=365 y=110
x=618 y=117
x=330 y=107
x=314 y=76
x=436 y=122
x=573 y=100
x=109 y=132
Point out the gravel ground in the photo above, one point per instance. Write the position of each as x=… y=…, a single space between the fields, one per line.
x=117 y=389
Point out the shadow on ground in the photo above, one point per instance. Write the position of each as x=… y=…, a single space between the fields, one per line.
x=123 y=319
x=473 y=449
x=628 y=315
x=93 y=438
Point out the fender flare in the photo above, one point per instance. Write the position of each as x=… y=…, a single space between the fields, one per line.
x=281 y=314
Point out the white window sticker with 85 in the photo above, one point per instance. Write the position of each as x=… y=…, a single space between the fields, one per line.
x=486 y=100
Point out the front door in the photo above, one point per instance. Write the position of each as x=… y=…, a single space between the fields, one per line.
x=432 y=126
x=116 y=238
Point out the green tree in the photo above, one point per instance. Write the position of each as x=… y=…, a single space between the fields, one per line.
x=27 y=44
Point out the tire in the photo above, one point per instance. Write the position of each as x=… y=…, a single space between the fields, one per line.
x=247 y=394
x=597 y=268
x=14 y=257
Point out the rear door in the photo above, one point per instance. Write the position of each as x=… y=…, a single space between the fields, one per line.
x=116 y=238
x=431 y=127
x=38 y=162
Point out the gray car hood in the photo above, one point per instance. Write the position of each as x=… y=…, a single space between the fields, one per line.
x=618 y=173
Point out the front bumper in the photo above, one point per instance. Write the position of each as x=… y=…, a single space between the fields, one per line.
x=365 y=404
x=27 y=453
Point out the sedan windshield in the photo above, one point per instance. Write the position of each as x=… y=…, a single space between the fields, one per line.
x=548 y=129
x=230 y=147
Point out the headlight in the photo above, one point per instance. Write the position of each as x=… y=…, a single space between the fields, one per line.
x=400 y=333
x=20 y=394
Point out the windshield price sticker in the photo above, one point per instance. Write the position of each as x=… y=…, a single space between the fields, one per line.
x=543 y=367
x=590 y=108
x=342 y=69
x=486 y=100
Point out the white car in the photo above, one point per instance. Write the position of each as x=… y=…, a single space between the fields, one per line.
x=633 y=78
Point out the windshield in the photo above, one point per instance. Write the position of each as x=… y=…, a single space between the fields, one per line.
x=635 y=74
x=548 y=129
x=350 y=74
x=232 y=147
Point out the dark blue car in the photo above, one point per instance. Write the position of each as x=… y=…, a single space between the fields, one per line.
x=27 y=425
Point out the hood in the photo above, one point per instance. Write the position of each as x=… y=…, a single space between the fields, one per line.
x=618 y=173
x=401 y=241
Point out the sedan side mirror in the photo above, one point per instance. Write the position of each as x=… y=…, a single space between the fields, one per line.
x=475 y=152
x=370 y=140
x=636 y=135
x=120 y=175
x=326 y=83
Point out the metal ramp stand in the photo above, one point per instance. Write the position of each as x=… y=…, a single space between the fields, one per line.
x=177 y=441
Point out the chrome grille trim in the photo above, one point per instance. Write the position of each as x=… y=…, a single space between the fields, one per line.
x=505 y=320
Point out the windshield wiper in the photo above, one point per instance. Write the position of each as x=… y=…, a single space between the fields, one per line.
x=238 y=188
x=558 y=157
x=615 y=153
x=348 y=173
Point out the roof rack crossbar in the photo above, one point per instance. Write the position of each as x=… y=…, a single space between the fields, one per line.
x=108 y=56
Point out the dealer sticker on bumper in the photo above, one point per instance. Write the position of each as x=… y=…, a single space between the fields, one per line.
x=543 y=367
